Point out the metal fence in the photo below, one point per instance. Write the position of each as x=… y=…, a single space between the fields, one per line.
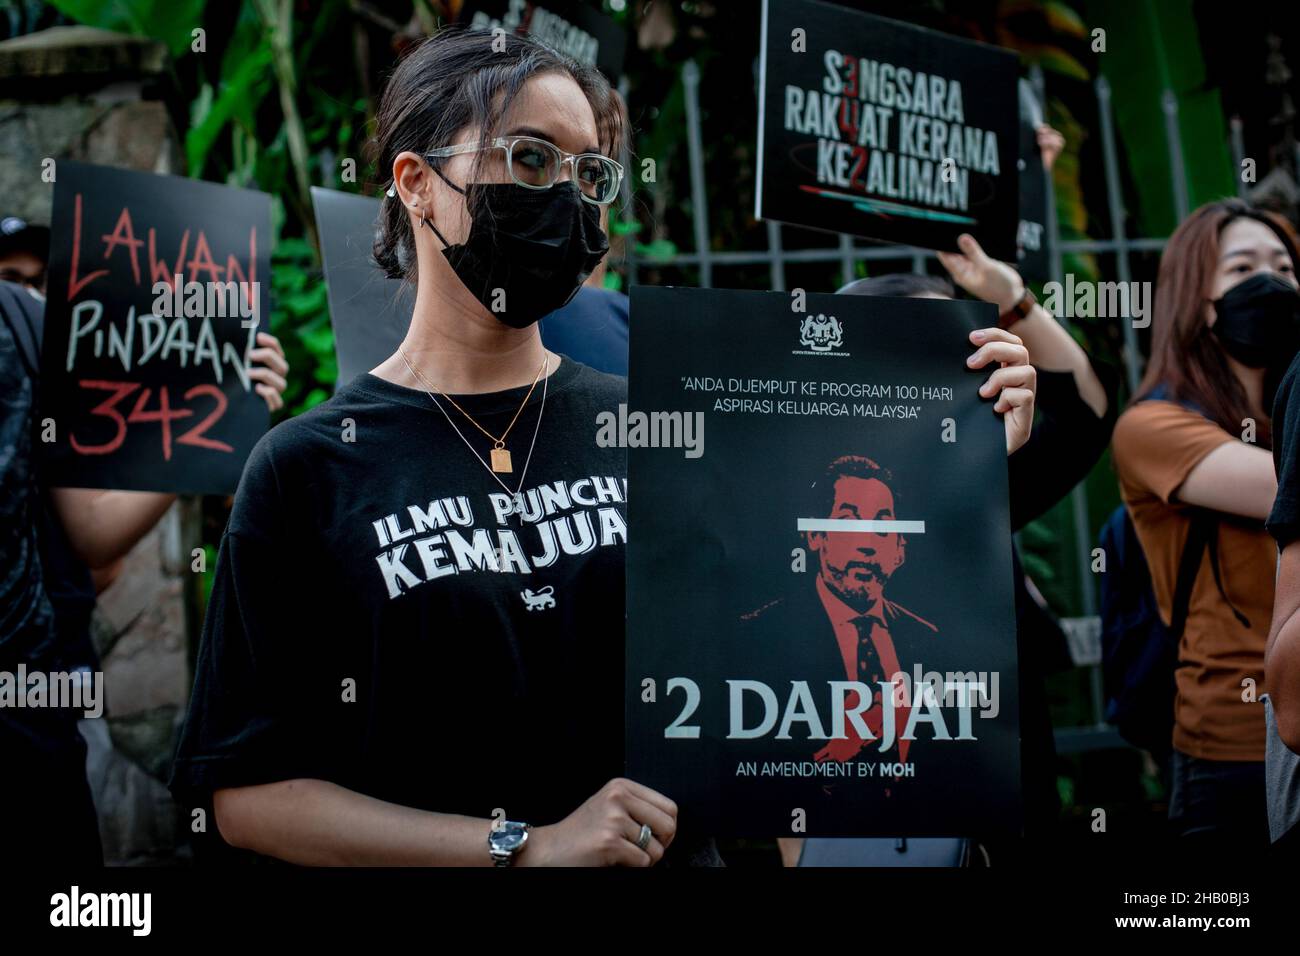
x=1083 y=633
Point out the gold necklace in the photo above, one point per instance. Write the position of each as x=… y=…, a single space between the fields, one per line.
x=500 y=455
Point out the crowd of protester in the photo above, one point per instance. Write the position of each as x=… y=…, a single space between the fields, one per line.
x=1206 y=455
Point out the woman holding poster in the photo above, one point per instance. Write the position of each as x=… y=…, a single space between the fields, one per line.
x=413 y=653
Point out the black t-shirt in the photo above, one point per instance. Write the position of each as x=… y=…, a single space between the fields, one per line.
x=1067 y=440
x=379 y=618
x=1284 y=519
x=45 y=804
x=27 y=632
x=1281 y=764
x=44 y=585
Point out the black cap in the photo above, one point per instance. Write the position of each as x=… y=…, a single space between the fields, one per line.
x=18 y=235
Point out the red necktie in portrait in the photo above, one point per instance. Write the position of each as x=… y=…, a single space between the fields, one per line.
x=874 y=642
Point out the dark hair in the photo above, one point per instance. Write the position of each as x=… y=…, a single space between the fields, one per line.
x=1185 y=357
x=452 y=80
x=900 y=284
x=846 y=466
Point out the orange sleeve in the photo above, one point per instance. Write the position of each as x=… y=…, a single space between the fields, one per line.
x=1157 y=444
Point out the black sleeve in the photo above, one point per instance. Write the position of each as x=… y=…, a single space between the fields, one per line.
x=253 y=717
x=1284 y=520
x=24 y=318
x=26 y=618
x=1066 y=442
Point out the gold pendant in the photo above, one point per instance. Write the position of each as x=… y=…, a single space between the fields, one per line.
x=501 y=461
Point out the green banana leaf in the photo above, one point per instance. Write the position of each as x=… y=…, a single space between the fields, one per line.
x=170 y=21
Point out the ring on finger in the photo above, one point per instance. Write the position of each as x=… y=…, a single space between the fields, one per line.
x=643 y=840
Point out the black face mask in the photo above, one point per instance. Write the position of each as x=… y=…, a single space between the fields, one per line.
x=1258 y=321
x=537 y=246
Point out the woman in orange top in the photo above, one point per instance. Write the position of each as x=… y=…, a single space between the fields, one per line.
x=1195 y=442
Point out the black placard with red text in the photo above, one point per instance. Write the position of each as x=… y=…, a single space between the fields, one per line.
x=143 y=378
x=885 y=129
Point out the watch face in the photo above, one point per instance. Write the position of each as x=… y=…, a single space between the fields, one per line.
x=508 y=838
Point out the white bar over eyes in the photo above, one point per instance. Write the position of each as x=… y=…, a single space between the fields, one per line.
x=859 y=525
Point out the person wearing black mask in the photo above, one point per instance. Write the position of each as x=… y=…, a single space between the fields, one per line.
x=1257 y=321
x=413 y=652
x=1191 y=452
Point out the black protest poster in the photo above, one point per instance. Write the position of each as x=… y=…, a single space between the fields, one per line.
x=886 y=130
x=1033 y=259
x=575 y=28
x=157 y=290
x=821 y=630
x=369 y=312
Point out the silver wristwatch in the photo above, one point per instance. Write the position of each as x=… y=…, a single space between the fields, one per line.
x=506 y=840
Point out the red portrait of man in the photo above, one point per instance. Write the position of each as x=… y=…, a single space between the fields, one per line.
x=842 y=626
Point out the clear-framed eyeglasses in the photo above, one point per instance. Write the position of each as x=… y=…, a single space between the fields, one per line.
x=536 y=164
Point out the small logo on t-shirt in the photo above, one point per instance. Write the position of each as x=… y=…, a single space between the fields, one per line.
x=538 y=600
